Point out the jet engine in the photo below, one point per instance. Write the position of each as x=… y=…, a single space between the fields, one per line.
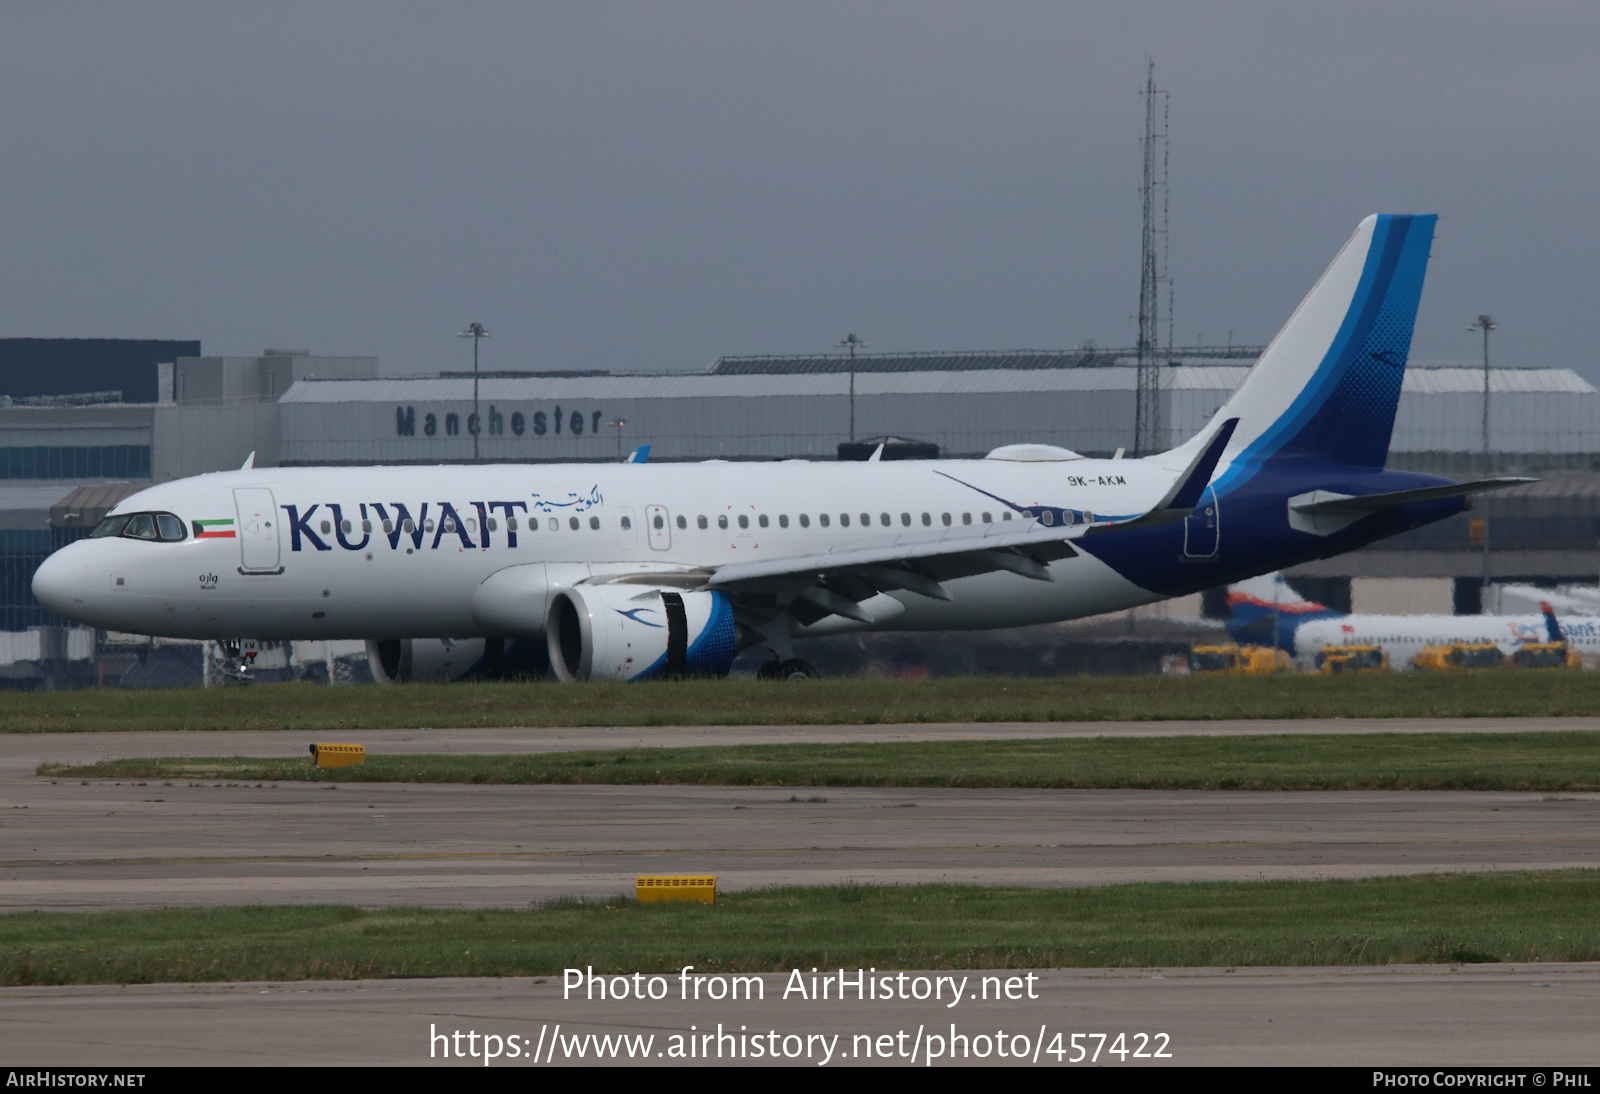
x=634 y=632
x=445 y=660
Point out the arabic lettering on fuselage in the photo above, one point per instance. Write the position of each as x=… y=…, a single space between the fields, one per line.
x=429 y=525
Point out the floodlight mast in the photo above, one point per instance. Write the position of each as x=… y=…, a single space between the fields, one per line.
x=852 y=343
x=1485 y=324
x=475 y=332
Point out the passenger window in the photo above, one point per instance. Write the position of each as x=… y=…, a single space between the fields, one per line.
x=946 y=518
x=170 y=526
x=927 y=520
x=683 y=522
x=511 y=524
x=883 y=518
x=905 y=519
x=141 y=526
x=594 y=523
x=1006 y=515
x=366 y=526
x=762 y=520
x=627 y=522
x=722 y=521
x=572 y=522
x=427 y=525
x=966 y=518
x=326 y=528
x=783 y=520
x=701 y=521
x=494 y=525
x=111 y=526
x=472 y=524
x=744 y=521
x=844 y=520
x=449 y=524
x=409 y=526
x=345 y=526
x=823 y=519
x=658 y=521
x=554 y=525
x=805 y=521
x=987 y=519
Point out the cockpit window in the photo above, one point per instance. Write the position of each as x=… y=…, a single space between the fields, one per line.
x=141 y=526
x=149 y=526
x=111 y=526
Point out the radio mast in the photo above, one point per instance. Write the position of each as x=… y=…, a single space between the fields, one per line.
x=1153 y=269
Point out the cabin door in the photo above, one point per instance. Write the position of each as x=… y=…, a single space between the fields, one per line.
x=1202 y=528
x=258 y=530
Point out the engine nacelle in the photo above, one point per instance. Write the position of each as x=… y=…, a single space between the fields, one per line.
x=445 y=660
x=635 y=632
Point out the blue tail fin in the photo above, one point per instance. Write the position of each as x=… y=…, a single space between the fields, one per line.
x=1327 y=387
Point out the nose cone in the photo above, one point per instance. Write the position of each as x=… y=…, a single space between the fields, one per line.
x=58 y=583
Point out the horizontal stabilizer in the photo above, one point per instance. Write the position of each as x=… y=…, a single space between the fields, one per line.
x=1323 y=512
x=1323 y=501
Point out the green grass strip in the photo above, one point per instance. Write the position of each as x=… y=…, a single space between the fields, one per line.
x=1543 y=916
x=1387 y=761
x=857 y=700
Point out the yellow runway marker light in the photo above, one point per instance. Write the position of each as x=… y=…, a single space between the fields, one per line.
x=655 y=888
x=330 y=755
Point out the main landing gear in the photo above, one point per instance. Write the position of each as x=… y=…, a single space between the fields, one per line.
x=792 y=668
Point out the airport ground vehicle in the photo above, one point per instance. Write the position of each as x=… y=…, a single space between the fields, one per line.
x=1546 y=655
x=1332 y=660
x=1237 y=660
x=1459 y=655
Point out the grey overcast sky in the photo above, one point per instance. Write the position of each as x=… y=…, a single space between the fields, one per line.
x=650 y=185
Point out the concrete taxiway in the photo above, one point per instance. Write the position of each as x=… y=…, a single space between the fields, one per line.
x=103 y=845
x=20 y=753
x=1449 y=1016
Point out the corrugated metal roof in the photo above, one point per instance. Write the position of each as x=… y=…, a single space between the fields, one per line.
x=702 y=386
x=1504 y=381
x=1216 y=378
x=1026 y=360
x=38 y=494
x=87 y=505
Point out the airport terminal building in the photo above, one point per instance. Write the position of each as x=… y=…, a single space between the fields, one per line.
x=85 y=422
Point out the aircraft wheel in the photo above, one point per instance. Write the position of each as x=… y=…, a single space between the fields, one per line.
x=796 y=669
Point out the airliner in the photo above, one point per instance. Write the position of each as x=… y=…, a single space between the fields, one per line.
x=628 y=571
x=1304 y=627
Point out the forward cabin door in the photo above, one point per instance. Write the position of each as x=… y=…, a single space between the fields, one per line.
x=258 y=530
x=660 y=526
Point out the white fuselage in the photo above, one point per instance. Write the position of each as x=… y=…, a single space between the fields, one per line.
x=326 y=567
x=1402 y=636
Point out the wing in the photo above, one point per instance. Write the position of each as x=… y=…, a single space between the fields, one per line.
x=836 y=582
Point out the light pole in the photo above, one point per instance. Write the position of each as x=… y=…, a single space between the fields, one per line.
x=1485 y=324
x=852 y=343
x=619 y=423
x=475 y=332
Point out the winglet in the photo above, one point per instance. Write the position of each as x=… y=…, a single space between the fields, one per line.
x=1186 y=492
x=1198 y=477
x=638 y=455
x=249 y=462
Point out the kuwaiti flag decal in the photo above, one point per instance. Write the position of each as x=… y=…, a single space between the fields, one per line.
x=213 y=529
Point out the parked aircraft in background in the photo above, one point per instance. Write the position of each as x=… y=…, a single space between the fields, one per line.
x=627 y=571
x=1303 y=627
